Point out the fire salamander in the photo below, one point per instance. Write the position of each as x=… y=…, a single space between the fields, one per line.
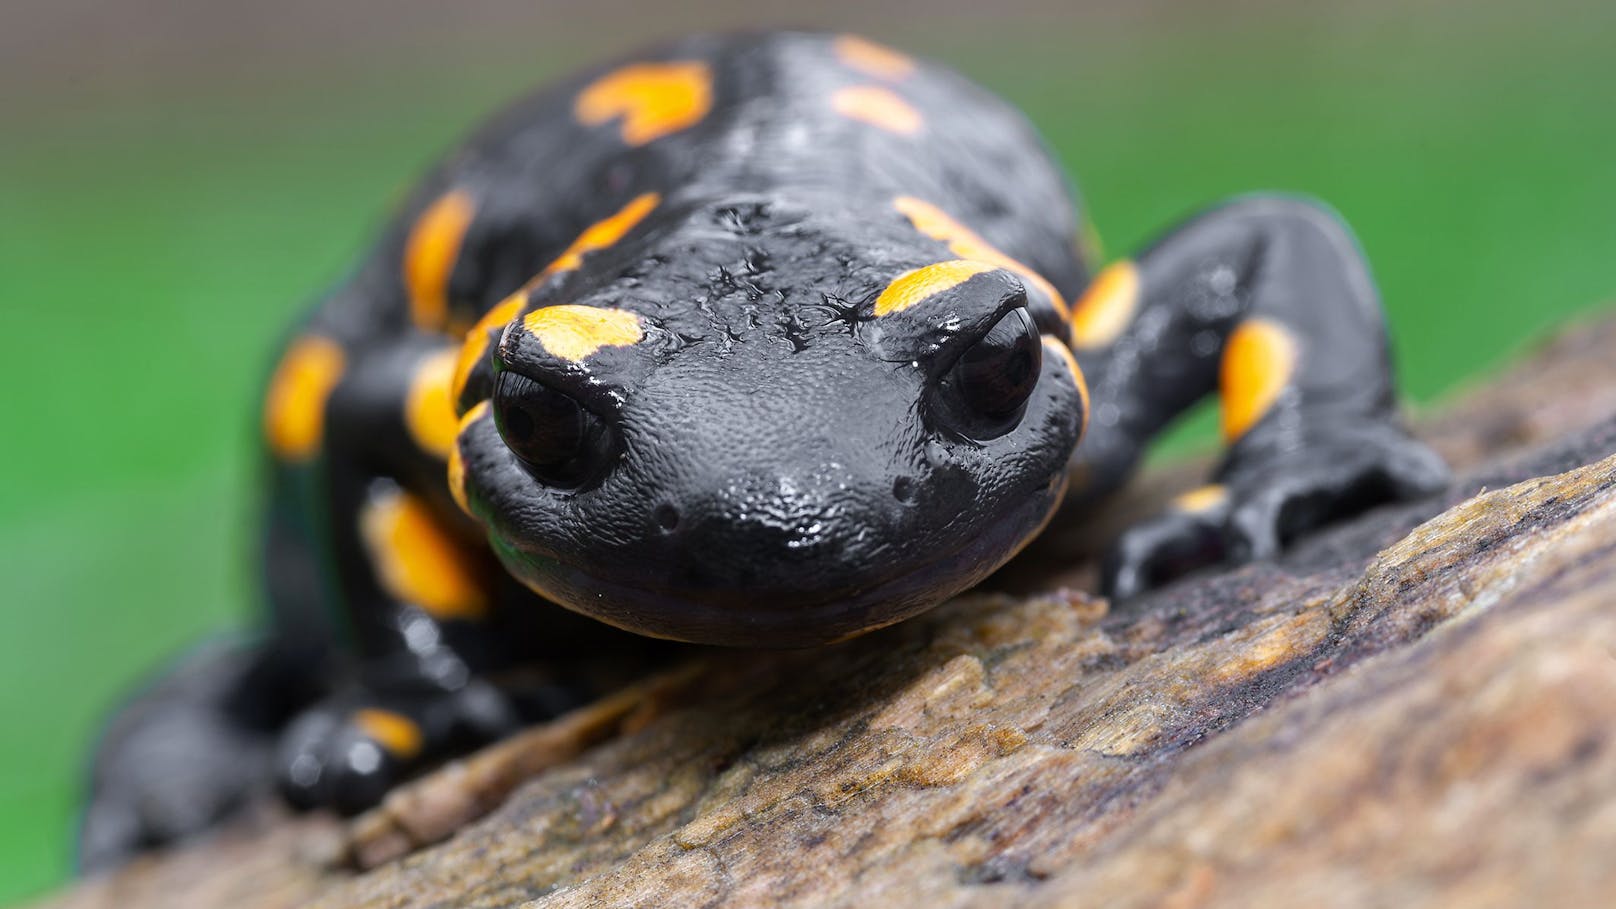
x=763 y=340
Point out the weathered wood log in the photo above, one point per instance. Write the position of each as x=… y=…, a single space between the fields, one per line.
x=1415 y=708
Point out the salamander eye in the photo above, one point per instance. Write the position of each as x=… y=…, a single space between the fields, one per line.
x=992 y=380
x=561 y=443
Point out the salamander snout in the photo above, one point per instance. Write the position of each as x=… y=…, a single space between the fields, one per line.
x=775 y=530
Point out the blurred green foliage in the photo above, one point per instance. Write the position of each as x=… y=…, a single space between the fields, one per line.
x=151 y=253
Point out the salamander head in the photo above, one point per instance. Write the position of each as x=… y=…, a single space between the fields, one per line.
x=761 y=427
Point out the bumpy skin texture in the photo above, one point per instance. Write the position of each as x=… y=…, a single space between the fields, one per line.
x=773 y=339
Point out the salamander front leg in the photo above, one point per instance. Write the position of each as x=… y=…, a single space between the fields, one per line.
x=347 y=751
x=416 y=586
x=1268 y=301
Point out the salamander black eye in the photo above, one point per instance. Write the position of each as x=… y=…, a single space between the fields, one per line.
x=561 y=443
x=992 y=380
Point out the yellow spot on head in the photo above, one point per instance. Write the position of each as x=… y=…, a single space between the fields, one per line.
x=878 y=107
x=653 y=99
x=1258 y=360
x=457 y=463
x=294 y=412
x=476 y=344
x=966 y=243
x=1107 y=307
x=911 y=287
x=428 y=410
x=873 y=59
x=575 y=332
x=429 y=258
x=1055 y=346
x=601 y=234
x=416 y=561
x=1202 y=499
x=393 y=731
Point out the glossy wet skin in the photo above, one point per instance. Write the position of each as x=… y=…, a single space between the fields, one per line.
x=763 y=459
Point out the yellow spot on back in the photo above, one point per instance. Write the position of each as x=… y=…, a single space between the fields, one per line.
x=653 y=99
x=601 y=234
x=428 y=410
x=1106 y=308
x=294 y=411
x=911 y=287
x=966 y=243
x=575 y=332
x=429 y=258
x=1258 y=360
x=457 y=463
x=1078 y=379
x=873 y=59
x=1203 y=498
x=416 y=561
x=877 y=106
x=393 y=731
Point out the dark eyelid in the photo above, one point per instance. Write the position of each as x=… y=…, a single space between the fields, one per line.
x=972 y=332
x=932 y=332
x=596 y=393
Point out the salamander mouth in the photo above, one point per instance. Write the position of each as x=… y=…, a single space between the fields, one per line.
x=782 y=615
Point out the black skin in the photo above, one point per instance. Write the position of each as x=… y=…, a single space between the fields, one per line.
x=770 y=463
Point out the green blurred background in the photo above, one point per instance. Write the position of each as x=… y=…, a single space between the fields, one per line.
x=177 y=177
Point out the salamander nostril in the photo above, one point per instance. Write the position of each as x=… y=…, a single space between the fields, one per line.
x=903 y=489
x=667 y=517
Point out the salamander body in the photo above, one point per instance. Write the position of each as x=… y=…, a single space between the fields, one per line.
x=759 y=340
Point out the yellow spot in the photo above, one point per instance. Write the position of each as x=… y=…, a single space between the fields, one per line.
x=416 y=561
x=1078 y=379
x=600 y=235
x=575 y=332
x=878 y=107
x=1258 y=360
x=429 y=258
x=476 y=344
x=457 y=464
x=393 y=731
x=653 y=99
x=294 y=412
x=1202 y=499
x=428 y=409
x=873 y=59
x=1106 y=308
x=911 y=287
x=965 y=243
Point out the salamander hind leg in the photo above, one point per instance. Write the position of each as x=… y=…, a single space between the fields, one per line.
x=1268 y=301
x=191 y=749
